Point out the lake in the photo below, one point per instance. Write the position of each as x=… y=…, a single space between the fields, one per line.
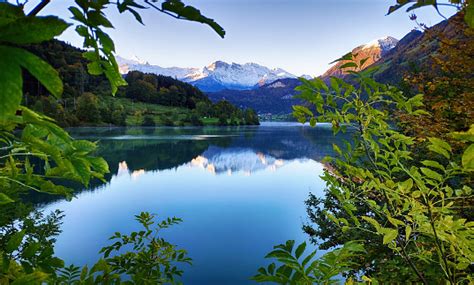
x=239 y=191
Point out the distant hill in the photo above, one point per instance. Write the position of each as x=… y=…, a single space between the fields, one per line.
x=276 y=97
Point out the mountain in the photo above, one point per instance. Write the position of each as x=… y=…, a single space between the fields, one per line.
x=373 y=51
x=126 y=65
x=214 y=77
x=275 y=97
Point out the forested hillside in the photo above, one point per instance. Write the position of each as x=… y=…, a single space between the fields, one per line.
x=147 y=100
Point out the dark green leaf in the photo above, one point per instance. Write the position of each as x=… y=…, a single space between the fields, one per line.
x=29 y=30
x=300 y=249
x=15 y=241
x=11 y=85
x=4 y=199
x=40 y=69
x=9 y=13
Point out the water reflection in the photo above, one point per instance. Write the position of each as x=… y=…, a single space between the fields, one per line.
x=214 y=149
x=219 y=161
x=239 y=191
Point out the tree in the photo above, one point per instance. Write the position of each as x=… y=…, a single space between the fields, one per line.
x=203 y=109
x=409 y=215
x=148 y=121
x=88 y=108
x=447 y=81
x=251 y=117
x=141 y=90
x=119 y=115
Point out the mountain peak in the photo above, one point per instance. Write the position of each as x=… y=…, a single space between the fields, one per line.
x=217 y=64
x=385 y=44
x=137 y=60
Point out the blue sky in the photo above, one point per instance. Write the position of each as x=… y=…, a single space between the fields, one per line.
x=301 y=36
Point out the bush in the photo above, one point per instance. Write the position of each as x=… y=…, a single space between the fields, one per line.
x=148 y=121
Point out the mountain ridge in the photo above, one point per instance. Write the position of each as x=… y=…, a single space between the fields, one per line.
x=278 y=97
x=216 y=76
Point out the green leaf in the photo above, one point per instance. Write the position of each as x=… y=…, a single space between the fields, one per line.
x=34 y=278
x=11 y=84
x=40 y=69
x=389 y=235
x=440 y=143
x=106 y=42
x=31 y=249
x=408 y=230
x=406 y=185
x=348 y=65
x=468 y=158
x=15 y=241
x=78 y=15
x=300 y=249
x=95 y=18
x=347 y=56
x=9 y=13
x=439 y=150
x=94 y=68
x=433 y=164
x=99 y=164
x=431 y=174
x=4 y=199
x=28 y=30
x=373 y=222
x=469 y=15
x=192 y=14
x=302 y=109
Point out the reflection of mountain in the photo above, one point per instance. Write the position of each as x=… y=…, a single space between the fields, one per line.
x=216 y=149
x=220 y=160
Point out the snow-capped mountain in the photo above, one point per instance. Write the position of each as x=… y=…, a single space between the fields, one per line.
x=126 y=65
x=214 y=77
x=384 y=44
x=373 y=51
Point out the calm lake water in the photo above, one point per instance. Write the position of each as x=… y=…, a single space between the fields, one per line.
x=239 y=190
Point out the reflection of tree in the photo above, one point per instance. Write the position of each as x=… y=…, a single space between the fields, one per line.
x=154 y=149
x=291 y=142
x=150 y=155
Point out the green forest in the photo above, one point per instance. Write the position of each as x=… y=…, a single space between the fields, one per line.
x=398 y=199
x=146 y=100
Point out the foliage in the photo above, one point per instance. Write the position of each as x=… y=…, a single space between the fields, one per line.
x=458 y=4
x=38 y=155
x=324 y=270
x=447 y=81
x=148 y=121
x=162 y=90
x=29 y=242
x=413 y=211
x=88 y=108
x=251 y=117
x=152 y=260
x=142 y=88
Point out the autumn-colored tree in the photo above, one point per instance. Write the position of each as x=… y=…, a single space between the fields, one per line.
x=447 y=80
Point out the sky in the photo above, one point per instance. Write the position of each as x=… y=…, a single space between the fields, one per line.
x=300 y=36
